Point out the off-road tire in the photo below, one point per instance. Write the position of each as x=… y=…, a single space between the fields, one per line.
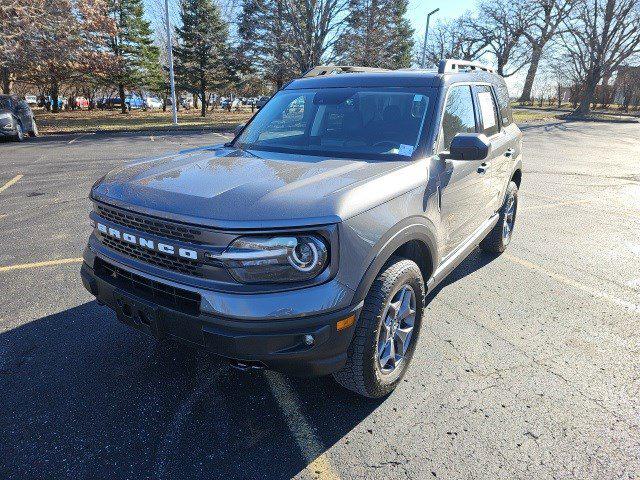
x=361 y=374
x=34 y=129
x=495 y=241
x=19 y=136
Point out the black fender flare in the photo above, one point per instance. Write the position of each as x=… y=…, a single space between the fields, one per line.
x=412 y=228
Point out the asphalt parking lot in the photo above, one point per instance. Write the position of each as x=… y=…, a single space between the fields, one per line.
x=529 y=367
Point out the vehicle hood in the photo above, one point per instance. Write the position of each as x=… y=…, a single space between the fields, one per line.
x=228 y=188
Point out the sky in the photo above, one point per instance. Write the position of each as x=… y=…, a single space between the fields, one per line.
x=418 y=9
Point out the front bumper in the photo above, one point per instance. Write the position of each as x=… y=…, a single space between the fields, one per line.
x=272 y=343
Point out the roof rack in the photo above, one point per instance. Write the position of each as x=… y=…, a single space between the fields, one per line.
x=334 y=69
x=451 y=65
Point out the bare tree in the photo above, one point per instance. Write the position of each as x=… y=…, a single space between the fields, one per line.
x=601 y=36
x=543 y=20
x=500 y=28
x=454 y=39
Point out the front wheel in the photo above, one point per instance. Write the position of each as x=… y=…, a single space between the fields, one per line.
x=387 y=331
x=500 y=236
x=19 y=136
x=34 y=128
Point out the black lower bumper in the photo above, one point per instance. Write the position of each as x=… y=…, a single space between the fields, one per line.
x=274 y=344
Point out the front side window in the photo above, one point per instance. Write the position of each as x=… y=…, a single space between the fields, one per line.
x=488 y=110
x=458 y=115
x=384 y=123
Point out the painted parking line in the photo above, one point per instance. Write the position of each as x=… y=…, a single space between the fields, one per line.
x=79 y=137
x=47 y=263
x=318 y=465
x=620 y=302
x=554 y=205
x=10 y=182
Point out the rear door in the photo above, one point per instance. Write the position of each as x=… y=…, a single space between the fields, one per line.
x=464 y=190
x=497 y=164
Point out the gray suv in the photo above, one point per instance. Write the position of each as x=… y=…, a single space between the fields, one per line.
x=308 y=243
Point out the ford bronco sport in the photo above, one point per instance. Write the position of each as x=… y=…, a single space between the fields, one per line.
x=307 y=244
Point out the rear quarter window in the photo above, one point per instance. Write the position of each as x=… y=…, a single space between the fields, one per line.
x=504 y=104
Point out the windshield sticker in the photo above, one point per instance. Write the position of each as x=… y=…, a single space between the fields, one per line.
x=486 y=106
x=406 y=150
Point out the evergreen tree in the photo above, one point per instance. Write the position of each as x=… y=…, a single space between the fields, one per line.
x=377 y=34
x=264 y=41
x=137 y=58
x=203 y=58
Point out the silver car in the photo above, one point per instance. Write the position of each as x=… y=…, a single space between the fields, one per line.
x=308 y=243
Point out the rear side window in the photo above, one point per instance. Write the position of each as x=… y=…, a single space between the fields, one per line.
x=489 y=110
x=458 y=114
x=504 y=104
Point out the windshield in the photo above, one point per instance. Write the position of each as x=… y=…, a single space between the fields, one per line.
x=355 y=122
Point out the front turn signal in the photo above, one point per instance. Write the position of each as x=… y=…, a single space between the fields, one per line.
x=346 y=322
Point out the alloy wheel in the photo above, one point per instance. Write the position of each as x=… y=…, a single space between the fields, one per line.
x=396 y=329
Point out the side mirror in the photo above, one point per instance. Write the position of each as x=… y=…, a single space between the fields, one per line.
x=469 y=146
x=238 y=129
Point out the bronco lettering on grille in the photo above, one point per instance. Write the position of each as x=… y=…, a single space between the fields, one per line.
x=146 y=243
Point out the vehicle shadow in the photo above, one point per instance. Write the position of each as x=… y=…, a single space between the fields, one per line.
x=475 y=261
x=83 y=396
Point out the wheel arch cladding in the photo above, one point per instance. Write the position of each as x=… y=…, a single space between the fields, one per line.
x=517 y=177
x=408 y=239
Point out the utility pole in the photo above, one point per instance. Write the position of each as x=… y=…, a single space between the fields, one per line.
x=172 y=82
x=426 y=34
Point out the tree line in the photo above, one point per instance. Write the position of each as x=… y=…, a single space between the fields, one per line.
x=583 y=44
x=239 y=45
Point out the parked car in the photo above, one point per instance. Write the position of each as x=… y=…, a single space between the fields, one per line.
x=308 y=243
x=261 y=102
x=82 y=102
x=109 y=103
x=16 y=118
x=48 y=102
x=153 y=102
x=31 y=99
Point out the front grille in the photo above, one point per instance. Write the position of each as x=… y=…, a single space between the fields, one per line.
x=149 y=224
x=160 y=293
x=163 y=260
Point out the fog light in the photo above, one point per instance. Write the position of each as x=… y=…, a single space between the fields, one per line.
x=308 y=339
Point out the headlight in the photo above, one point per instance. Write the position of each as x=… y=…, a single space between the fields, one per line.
x=275 y=259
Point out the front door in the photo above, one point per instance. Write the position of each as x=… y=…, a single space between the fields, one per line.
x=465 y=189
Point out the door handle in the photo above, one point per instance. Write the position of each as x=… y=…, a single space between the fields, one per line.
x=509 y=152
x=483 y=167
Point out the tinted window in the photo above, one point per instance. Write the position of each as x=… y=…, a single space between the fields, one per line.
x=504 y=104
x=488 y=110
x=458 y=114
x=354 y=122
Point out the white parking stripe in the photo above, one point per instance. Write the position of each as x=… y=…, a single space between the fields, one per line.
x=575 y=284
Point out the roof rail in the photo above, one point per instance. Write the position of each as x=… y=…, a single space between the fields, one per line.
x=451 y=65
x=333 y=69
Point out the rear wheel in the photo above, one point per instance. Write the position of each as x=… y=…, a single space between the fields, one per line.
x=500 y=236
x=387 y=331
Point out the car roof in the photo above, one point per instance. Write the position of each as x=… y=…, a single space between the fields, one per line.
x=394 y=78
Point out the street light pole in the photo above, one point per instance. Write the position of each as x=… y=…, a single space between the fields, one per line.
x=172 y=82
x=426 y=34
